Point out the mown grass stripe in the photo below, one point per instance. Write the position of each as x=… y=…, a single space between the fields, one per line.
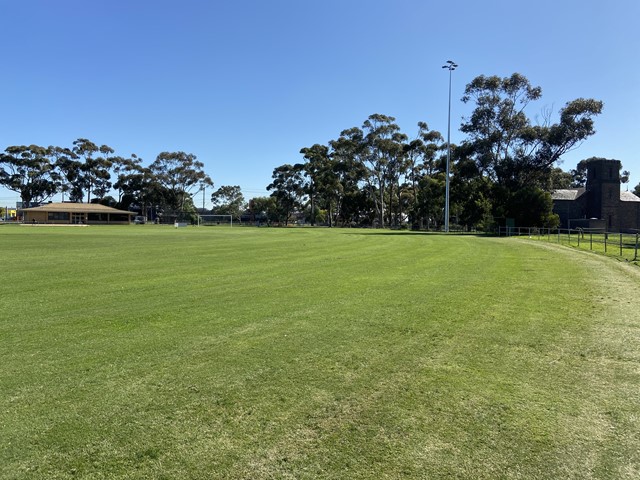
x=313 y=353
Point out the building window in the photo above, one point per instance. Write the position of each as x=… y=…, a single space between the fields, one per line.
x=58 y=216
x=610 y=194
x=610 y=172
x=97 y=217
x=610 y=221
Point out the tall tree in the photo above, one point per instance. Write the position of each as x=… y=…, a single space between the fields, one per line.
x=99 y=172
x=347 y=155
x=508 y=148
x=288 y=190
x=28 y=171
x=471 y=193
x=228 y=200
x=177 y=174
x=383 y=148
x=69 y=172
x=323 y=186
x=135 y=184
x=263 y=209
x=94 y=175
x=421 y=154
x=505 y=144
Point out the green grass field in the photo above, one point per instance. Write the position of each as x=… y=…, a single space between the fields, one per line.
x=154 y=352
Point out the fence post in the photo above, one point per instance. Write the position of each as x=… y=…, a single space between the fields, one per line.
x=635 y=255
x=620 y=244
x=606 y=236
x=590 y=240
x=569 y=236
x=578 y=238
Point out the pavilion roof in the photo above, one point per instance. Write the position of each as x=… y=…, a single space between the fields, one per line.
x=77 y=208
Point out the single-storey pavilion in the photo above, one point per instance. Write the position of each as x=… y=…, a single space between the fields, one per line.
x=77 y=213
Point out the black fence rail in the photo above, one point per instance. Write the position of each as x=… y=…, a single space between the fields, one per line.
x=624 y=245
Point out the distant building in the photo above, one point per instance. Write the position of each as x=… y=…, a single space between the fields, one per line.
x=76 y=213
x=601 y=204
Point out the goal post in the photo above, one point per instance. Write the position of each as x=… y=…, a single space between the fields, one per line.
x=215 y=220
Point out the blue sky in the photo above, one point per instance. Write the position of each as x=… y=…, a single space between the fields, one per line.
x=245 y=84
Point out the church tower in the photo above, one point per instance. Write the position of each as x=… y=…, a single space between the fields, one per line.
x=603 y=190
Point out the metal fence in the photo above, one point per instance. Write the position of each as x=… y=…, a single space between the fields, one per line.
x=624 y=245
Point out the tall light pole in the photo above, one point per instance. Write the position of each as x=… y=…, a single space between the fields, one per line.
x=451 y=66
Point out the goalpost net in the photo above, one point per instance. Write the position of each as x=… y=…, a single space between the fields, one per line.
x=215 y=220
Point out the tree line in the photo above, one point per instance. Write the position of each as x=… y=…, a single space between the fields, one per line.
x=506 y=166
x=91 y=172
x=375 y=174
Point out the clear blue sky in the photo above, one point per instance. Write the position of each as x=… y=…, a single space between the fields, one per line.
x=245 y=84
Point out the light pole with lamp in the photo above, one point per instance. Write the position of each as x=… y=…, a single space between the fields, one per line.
x=451 y=66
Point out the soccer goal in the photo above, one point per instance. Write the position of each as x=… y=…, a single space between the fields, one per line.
x=215 y=220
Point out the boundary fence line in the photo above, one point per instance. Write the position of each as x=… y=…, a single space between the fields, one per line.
x=624 y=245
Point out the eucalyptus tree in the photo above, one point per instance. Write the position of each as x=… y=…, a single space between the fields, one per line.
x=176 y=175
x=287 y=189
x=124 y=169
x=228 y=200
x=28 y=171
x=263 y=209
x=135 y=184
x=348 y=156
x=506 y=146
x=68 y=169
x=323 y=185
x=94 y=168
x=430 y=199
x=72 y=180
x=471 y=193
x=382 y=147
x=396 y=173
x=421 y=157
x=509 y=149
x=99 y=171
